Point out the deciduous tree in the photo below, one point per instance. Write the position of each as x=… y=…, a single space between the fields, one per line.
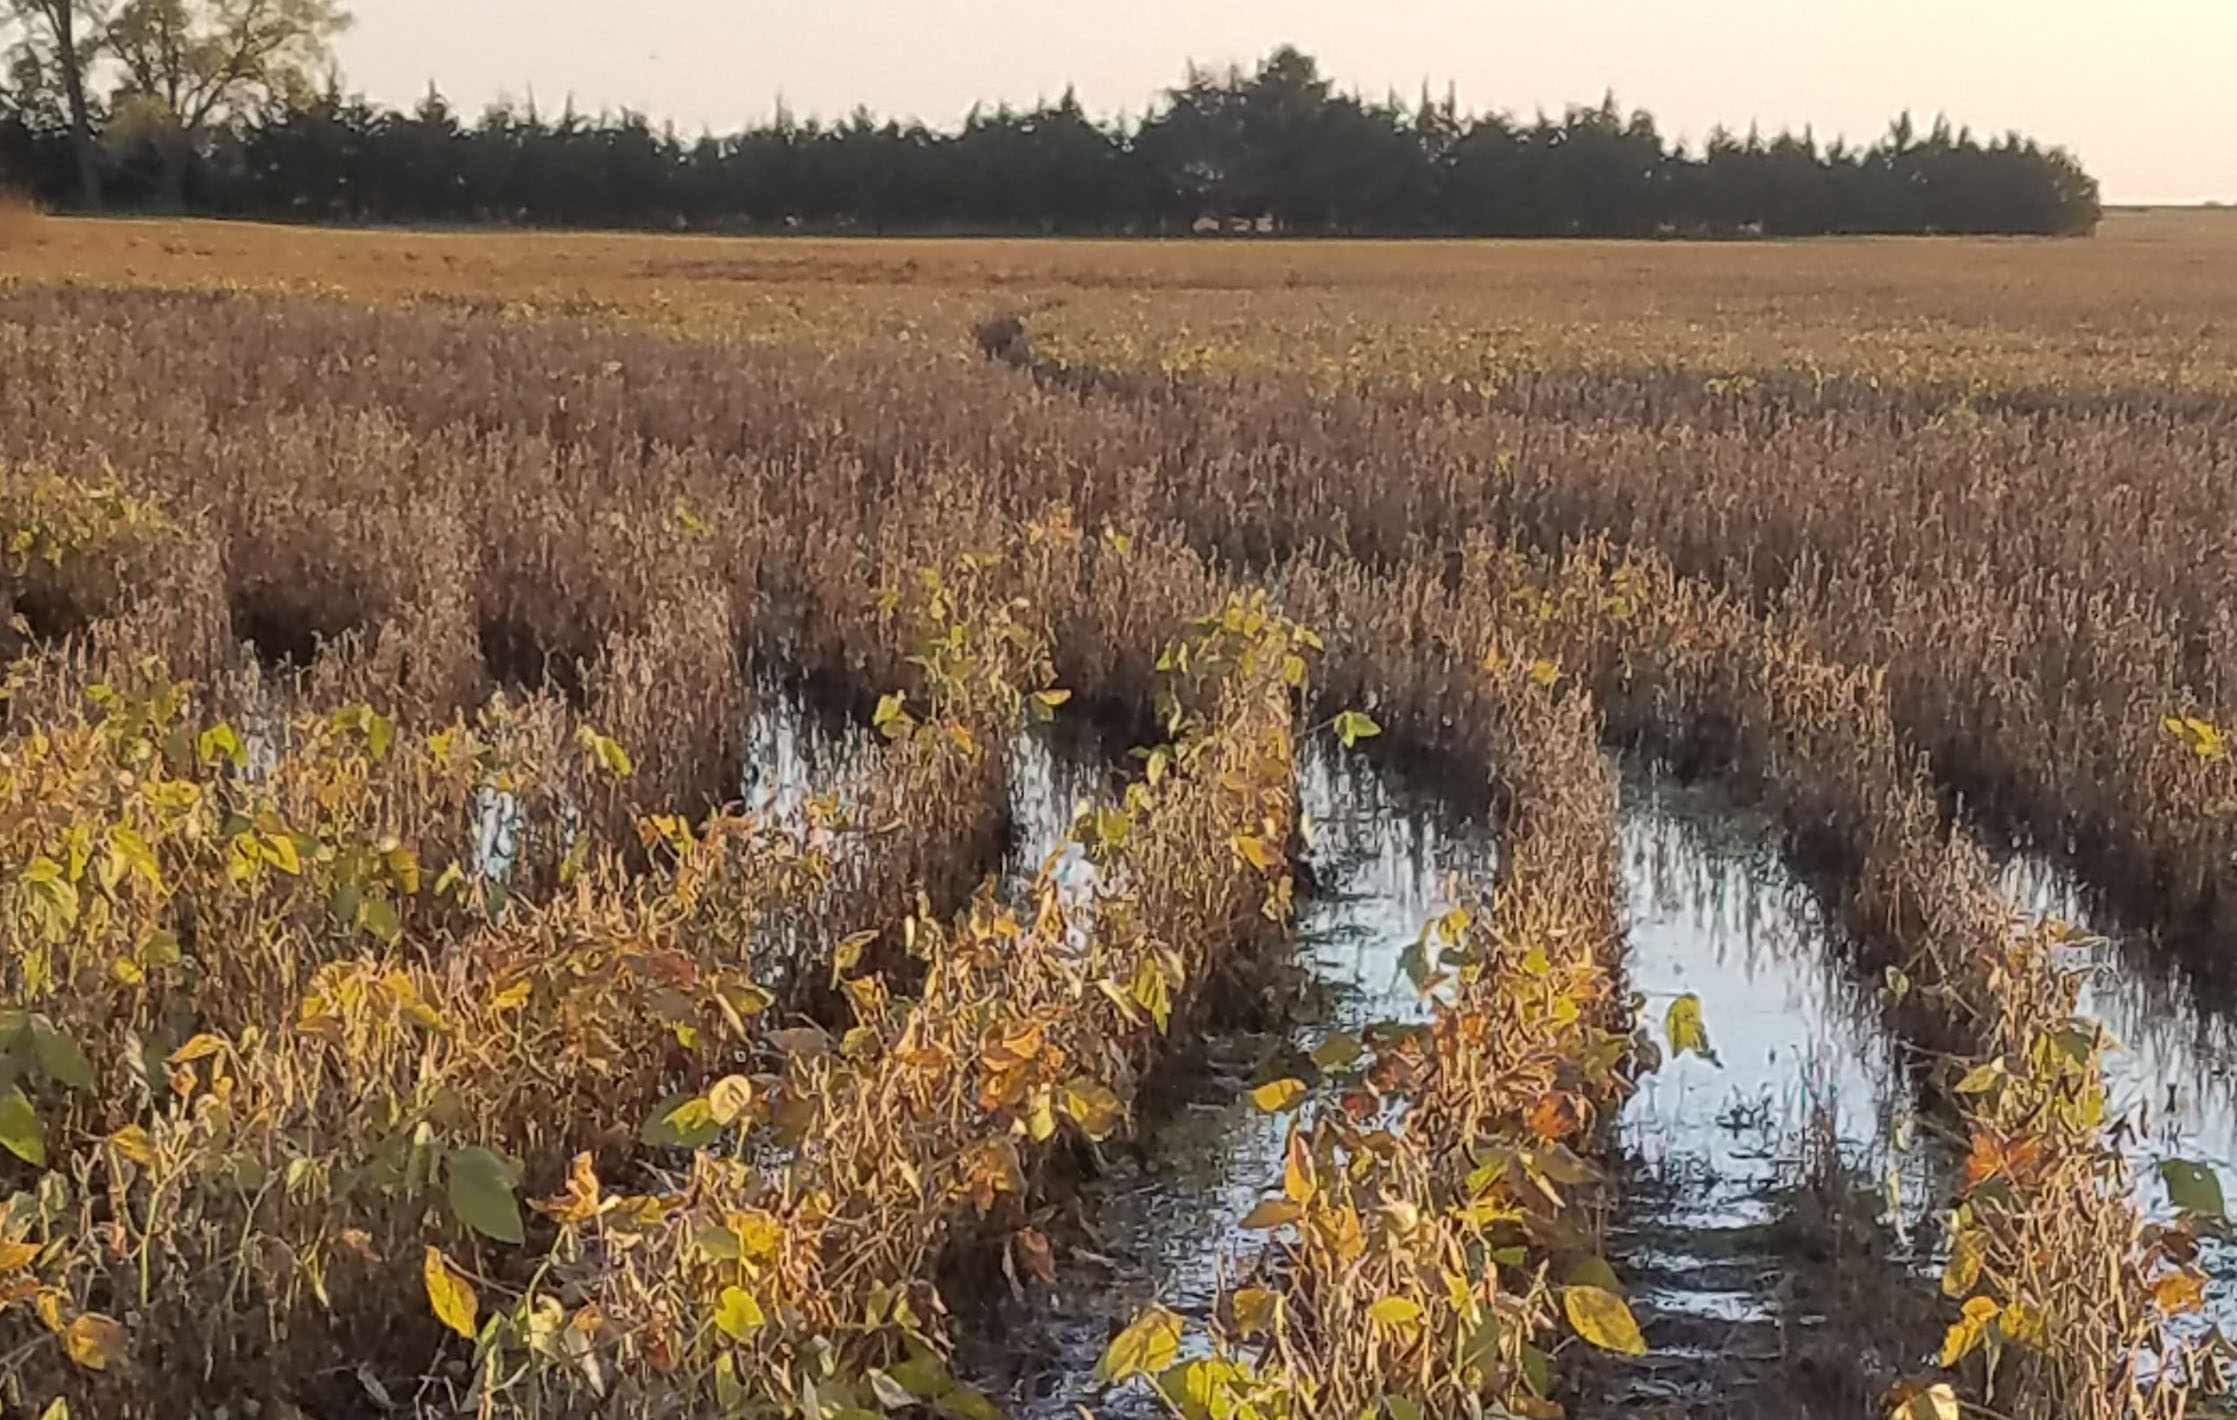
x=61 y=39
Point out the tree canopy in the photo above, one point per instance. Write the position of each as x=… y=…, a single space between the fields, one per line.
x=240 y=129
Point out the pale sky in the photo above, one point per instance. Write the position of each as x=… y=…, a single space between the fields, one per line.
x=2145 y=91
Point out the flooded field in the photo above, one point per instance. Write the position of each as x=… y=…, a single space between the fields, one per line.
x=1801 y=1087
x=2171 y=1074
x=543 y=872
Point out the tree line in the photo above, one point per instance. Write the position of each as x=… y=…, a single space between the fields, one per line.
x=211 y=106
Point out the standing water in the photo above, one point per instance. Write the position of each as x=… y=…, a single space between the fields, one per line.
x=2171 y=1070
x=1798 y=1092
x=1712 y=1145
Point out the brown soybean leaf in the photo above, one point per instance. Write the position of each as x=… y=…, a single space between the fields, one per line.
x=94 y=1341
x=1273 y=1213
x=581 y=1200
x=2183 y=1290
x=1031 y=1248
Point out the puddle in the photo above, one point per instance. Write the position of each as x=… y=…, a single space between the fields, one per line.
x=1169 y=1218
x=1050 y=782
x=794 y=755
x=2172 y=1079
x=1804 y=1085
x=1713 y=913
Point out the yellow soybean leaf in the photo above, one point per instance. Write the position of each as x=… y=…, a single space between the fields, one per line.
x=1273 y=1213
x=1963 y=1269
x=1095 y=1107
x=1966 y=1332
x=20 y=1130
x=1395 y=1312
x=739 y=1316
x=452 y=1300
x=1256 y=852
x=1936 y=1402
x=202 y=1047
x=1278 y=1095
x=1686 y=1031
x=279 y=851
x=1258 y=1311
x=729 y=1098
x=1600 y=1317
x=2024 y=1324
x=1144 y=1348
x=1352 y=726
x=1982 y=1078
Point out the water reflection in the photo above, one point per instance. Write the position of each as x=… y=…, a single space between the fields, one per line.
x=793 y=755
x=1712 y=913
x=2169 y=1077
x=1170 y=1221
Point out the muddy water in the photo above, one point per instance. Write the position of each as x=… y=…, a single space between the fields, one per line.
x=1710 y=1147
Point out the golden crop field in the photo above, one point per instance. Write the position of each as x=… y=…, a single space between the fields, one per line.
x=532 y=882
x=2152 y=300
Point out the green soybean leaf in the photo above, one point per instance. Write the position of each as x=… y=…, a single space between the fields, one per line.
x=1352 y=727
x=481 y=1194
x=2194 y=1187
x=59 y=1056
x=1686 y=1031
x=20 y=1131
